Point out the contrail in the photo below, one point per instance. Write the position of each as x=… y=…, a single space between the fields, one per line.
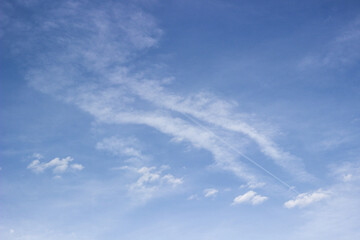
x=292 y=188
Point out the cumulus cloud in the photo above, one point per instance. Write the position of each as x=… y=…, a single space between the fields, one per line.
x=170 y=179
x=249 y=197
x=305 y=199
x=151 y=175
x=210 y=192
x=77 y=166
x=57 y=165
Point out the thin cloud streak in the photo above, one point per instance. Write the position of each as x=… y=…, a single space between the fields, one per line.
x=210 y=192
x=219 y=113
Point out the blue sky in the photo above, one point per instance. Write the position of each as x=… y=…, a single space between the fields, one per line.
x=180 y=119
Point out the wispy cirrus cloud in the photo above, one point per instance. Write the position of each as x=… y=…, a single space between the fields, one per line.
x=209 y=109
x=96 y=71
x=128 y=147
x=341 y=51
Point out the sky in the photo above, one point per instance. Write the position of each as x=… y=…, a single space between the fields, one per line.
x=196 y=120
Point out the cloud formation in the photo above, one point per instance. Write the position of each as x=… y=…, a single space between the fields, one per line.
x=249 y=197
x=107 y=83
x=347 y=171
x=124 y=147
x=150 y=182
x=305 y=199
x=210 y=192
x=57 y=165
x=338 y=215
x=341 y=51
x=208 y=109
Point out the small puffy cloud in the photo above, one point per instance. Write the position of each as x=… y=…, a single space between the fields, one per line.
x=250 y=197
x=151 y=181
x=57 y=165
x=305 y=199
x=172 y=180
x=210 y=192
x=77 y=166
x=148 y=175
x=151 y=175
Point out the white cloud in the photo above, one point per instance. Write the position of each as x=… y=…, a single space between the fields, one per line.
x=249 y=197
x=129 y=147
x=305 y=199
x=210 y=192
x=151 y=181
x=170 y=179
x=57 y=165
x=151 y=174
x=77 y=166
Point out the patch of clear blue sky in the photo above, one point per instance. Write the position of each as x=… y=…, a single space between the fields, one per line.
x=292 y=68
